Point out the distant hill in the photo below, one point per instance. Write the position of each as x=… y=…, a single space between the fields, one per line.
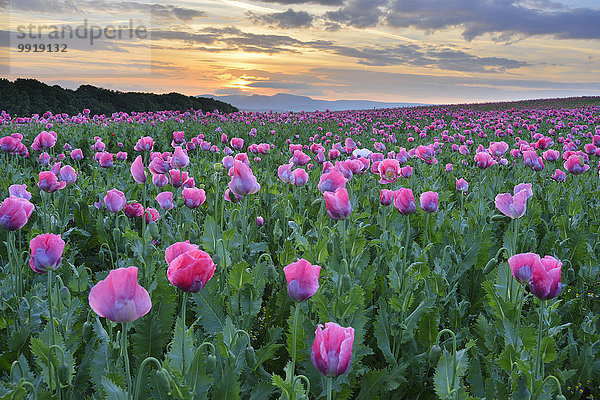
x=282 y=102
x=25 y=97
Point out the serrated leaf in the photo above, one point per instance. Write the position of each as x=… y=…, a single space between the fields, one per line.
x=413 y=319
x=152 y=332
x=228 y=387
x=209 y=308
x=374 y=382
x=548 y=349
x=238 y=276
x=181 y=350
x=113 y=392
x=447 y=380
x=383 y=332
x=507 y=357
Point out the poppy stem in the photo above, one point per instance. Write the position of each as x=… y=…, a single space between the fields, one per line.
x=539 y=341
x=183 y=328
x=329 y=384
x=52 y=340
x=294 y=326
x=124 y=329
x=405 y=263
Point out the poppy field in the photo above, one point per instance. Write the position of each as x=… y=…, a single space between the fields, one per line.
x=446 y=252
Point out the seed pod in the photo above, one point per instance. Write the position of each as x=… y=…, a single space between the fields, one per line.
x=211 y=364
x=561 y=397
x=162 y=378
x=217 y=259
x=65 y=296
x=346 y=283
x=116 y=235
x=153 y=229
x=272 y=273
x=179 y=202
x=86 y=331
x=250 y=356
x=434 y=354
x=63 y=373
x=454 y=257
x=570 y=274
x=218 y=166
x=490 y=266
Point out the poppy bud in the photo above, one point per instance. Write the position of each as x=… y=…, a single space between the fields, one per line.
x=86 y=331
x=497 y=217
x=162 y=378
x=570 y=274
x=250 y=356
x=490 y=266
x=116 y=235
x=561 y=397
x=454 y=257
x=434 y=354
x=272 y=272
x=211 y=364
x=346 y=283
x=63 y=373
x=65 y=296
x=153 y=229
x=216 y=259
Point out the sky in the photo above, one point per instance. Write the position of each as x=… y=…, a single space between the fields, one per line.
x=427 y=51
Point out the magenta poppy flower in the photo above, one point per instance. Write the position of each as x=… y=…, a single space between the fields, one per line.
x=15 y=212
x=545 y=280
x=429 y=201
x=76 y=155
x=332 y=349
x=300 y=158
x=498 y=149
x=484 y=160
x=284 y=172
x=388 y=170
x=106 y=160
x=48 y=182
x=449 y=167
x=180 y=158
x=243 y=182
x=68 y=174
x=559 y=176
x=133 y=210
x=55 y=169
x=119 y=297
x=165 y=200
x=331 y=181
x=121 y=156
x=237 y=143
x=243 y=157
x=144 y=144
x=114 y=200
x=227 y=162
x=462 y=185
x=386 y=197
x=522 y=266
x=8 y=144
x=159 y=166
x=193 y=197
x=19 y=191
x=302 y=279
x=513 y=207
x=189 y=268
x=405 y=201
x=260 y=221
x=337 y=204
x=178 y=137
x=137 y=170
x=180 y=178
x=300 y=177
x=45 y=140
x=524 y=186
x=576 y=165
x=46 y=252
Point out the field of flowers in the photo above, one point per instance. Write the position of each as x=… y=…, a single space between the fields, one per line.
x=435 y=252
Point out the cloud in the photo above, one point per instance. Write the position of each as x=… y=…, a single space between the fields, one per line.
x=224 y=39
x=432 y=56
x=160 y=12
x=503 y=19
x=284 y=20
x=321 y=2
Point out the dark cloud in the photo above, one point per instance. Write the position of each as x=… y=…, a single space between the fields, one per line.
x=217 y=39
x=503 y=19
x=284 y=20
x=441 y=57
